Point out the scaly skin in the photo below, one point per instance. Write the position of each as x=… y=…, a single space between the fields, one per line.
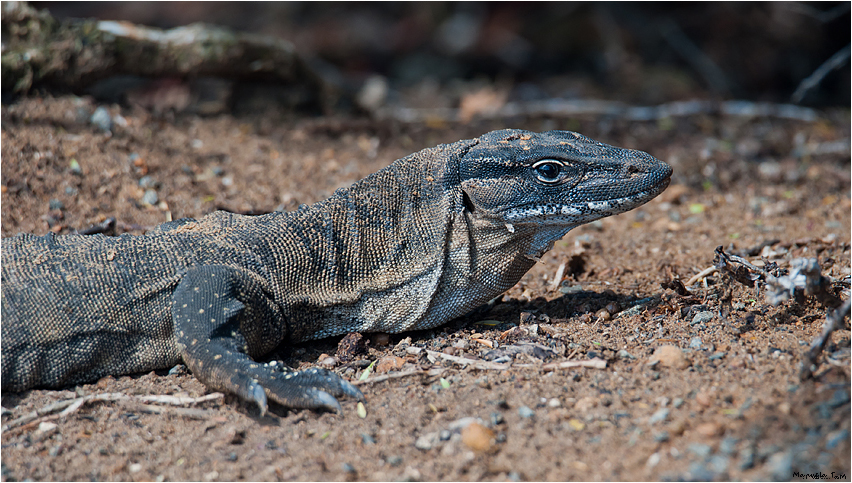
x=423 y=241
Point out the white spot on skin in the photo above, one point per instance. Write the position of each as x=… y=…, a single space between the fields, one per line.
x=200 y=311
x=510 y=228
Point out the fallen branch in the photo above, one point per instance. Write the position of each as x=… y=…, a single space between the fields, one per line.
x=72 y=405
x=569 y=108
x=833 y=321
x=398 y=375
x=77 y=52
x=836 y=61
x=596 y=363
x=476 y=363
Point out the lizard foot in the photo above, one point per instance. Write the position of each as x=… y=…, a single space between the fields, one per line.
x=313 y=388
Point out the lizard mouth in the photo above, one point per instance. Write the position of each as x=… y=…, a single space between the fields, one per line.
x=581 y=211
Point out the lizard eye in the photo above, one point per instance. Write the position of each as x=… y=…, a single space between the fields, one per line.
x=548 y=171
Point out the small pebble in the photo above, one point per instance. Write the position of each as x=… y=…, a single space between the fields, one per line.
x=695 y=343
x=780 y=466
x=700 y=450
x=477 y=437
x=348 y=468
x=367 y=439
x=653 y=460
x=584 y=404
x=576 y=424
x=394 y=460
x=134 y=467
x=613 y=308
x=46 y=427
x=426 y=441
x=328 y=361
x=148 y=182
x=709 y=430
x=670 y=356
x=702 y=317
x=101 y=119
x=496 y=419
x=55 y=204
x=661 y=437
x=677 y=402
x=623 y=354
x=704 y=398
x=659 y=416
x=150 y=197
x=461 y=344
x=554 y=403
x=525 y=412
x=389 y=363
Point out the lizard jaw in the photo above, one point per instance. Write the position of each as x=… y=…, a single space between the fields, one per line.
x=579 y=212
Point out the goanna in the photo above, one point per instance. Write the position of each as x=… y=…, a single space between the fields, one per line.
x=424 y=240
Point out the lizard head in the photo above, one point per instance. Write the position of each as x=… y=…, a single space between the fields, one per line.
x=555 y=179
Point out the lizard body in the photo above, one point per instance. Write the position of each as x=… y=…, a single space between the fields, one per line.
x=420 y=242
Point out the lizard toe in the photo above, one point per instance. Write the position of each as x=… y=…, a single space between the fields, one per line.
x=328 y=381
x=310 y=389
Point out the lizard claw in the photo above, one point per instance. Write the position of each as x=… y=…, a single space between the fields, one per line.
x=257 y=395
x=327 y=401
x=310 y=389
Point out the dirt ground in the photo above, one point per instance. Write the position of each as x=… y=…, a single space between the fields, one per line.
x=728 y=404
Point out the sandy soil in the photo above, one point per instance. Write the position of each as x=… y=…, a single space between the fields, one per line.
x=727 y=404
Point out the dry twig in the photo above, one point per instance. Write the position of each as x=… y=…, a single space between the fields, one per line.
x=398 y=375
x=72 y=405
x=833 y=321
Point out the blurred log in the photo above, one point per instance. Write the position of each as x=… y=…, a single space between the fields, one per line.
x=39 y=49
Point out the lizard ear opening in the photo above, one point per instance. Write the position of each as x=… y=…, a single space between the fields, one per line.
x=468 y=204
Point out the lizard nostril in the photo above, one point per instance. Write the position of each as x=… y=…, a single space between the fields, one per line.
x=632 y=168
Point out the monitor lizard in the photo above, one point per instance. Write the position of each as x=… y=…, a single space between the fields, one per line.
x=412 y=246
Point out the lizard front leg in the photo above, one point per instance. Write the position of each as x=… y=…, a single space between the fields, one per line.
x=223 y=318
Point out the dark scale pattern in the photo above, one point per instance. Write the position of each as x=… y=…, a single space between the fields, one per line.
x=425 y=240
